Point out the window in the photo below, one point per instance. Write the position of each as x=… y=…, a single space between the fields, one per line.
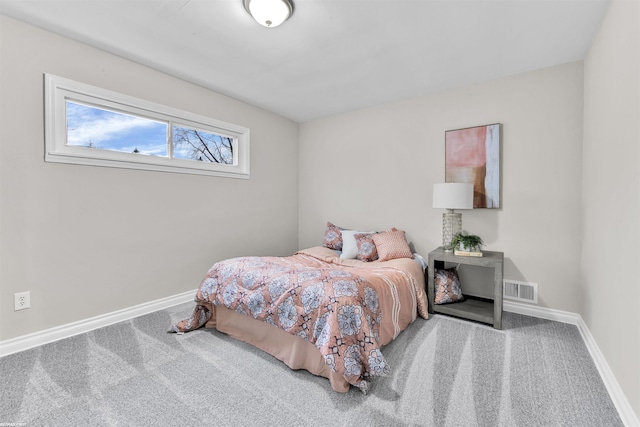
x=92 y=126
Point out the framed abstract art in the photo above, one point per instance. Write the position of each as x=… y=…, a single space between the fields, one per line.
x=472 y=155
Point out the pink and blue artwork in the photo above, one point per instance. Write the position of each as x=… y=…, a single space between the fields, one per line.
x=472 y=155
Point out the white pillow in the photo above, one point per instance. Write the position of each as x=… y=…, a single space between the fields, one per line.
x=349 y=245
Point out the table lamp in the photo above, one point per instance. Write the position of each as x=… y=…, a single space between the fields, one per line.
x=450 y=196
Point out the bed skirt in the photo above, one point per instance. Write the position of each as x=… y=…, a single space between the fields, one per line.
x=294 y=351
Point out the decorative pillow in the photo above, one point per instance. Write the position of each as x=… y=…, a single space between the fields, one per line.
x=366 y=247
x=349 y=244
x=447 y=284
x=392 y=245
x=332 y=237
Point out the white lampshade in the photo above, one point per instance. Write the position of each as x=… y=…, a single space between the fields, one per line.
x=269 y=13
x=453 y=195
x=450 y=196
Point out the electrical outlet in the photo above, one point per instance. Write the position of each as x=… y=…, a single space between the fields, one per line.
x=21 y=300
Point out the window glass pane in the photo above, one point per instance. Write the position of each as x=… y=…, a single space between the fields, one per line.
x=204 y=146
x=108 y=130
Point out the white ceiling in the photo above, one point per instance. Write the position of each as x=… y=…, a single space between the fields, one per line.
x=332 y=56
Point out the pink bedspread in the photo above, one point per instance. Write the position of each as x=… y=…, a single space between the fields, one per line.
x=348 y=309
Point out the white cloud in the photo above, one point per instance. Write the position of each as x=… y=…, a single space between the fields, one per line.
x=115 y=130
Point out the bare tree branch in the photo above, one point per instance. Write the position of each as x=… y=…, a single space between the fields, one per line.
x=213 y=147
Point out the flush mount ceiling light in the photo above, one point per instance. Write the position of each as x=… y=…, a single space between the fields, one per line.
x=269 y=13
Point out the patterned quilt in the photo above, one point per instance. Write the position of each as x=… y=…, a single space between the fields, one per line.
x=348 y=309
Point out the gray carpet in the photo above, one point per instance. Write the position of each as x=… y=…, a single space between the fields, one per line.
x=445 y=372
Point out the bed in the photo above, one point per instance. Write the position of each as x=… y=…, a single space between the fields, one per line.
x=314 y=310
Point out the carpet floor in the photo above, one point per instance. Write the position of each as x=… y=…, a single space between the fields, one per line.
x=445 y=372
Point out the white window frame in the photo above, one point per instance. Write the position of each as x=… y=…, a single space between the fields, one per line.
x=59 y=90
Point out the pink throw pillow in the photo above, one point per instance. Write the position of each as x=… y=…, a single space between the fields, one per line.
x=366 y=247
x=447 y=284
x=332 y=237
x=392 y=245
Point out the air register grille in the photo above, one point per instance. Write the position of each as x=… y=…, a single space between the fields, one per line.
x=520 y=291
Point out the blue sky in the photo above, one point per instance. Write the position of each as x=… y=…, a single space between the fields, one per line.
x=90 y=126
x=109 y=130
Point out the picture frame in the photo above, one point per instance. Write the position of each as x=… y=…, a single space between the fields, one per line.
x=472 y=155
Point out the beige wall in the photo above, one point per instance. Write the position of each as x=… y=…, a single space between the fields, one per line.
x=89 y=240
x=375 y=168
x=611 y=195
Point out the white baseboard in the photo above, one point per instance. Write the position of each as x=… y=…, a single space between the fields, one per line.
x=35 y=339
x=540 y=312
x=626 y=412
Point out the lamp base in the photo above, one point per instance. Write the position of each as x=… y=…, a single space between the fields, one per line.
x=451 y=225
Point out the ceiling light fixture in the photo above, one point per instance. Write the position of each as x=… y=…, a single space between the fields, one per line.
x=269 y=13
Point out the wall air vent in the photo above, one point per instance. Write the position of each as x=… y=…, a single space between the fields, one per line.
x=520 y=291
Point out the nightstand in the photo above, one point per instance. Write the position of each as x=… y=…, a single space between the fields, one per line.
x=478 y=309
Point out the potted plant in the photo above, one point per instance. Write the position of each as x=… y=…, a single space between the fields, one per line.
x=467 y=243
